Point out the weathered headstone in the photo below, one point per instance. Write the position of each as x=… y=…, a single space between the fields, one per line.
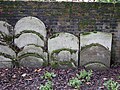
x=102 y=38
x=32 y=24
x=28 y=38
x=5 y=62
x=31 y=61
x=6 y=56
x=7 y=50
x=63 y=47
x=33 y=56
x=33 y=49
x=95 y=50
x=3 y=27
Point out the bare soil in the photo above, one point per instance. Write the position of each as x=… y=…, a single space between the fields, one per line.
x=30 y=78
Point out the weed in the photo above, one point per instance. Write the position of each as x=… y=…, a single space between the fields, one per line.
x=111 y=85
x=85 y=75
x=47 y=86
x=75 y=83
x=49 y=75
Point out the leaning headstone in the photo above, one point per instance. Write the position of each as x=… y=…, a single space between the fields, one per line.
x=5 y=62
x=4 y=27
x=28 y=38
x=63 y=47
x=32 y=24
x=95 y=50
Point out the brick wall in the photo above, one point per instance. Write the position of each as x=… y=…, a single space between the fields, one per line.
x=69 y=17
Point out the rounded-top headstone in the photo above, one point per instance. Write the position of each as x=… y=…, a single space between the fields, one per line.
x=28 y=38
x=7 y=50
x=3 y=27
x=63 y=48
x=33 y=49
x=63 y=40
x=5 y=62
x=91 y=55
x=30 y=23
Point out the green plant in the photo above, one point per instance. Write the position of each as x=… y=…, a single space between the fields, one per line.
x=49 y=75
x=47 y=86
x=75 y=83
x=119 y=77
x=85 y=75
x=111 y=85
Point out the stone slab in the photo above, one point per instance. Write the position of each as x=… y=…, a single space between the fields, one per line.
x=5 y=62
x=30 y=23
x=64 y=46
x=3 y=27
x=98 y=54
x=63 y=40
x=7 y=50
x=102 y=38
x=31 y=61
x=28 y=38
x=33 y=49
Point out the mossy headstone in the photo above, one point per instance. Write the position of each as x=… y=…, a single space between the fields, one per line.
x=30 y=23
x=32 y=51
x=63 y=48
x=95 y=48
x=28 y=38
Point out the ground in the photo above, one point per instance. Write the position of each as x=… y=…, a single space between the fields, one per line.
x=30 y=78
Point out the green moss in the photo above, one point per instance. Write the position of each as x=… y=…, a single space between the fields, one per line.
x=30 y=54
x=93 y=44
x=36 y=45
x=62 y=49
x=54 y=35
x=85 y=33
x=54 y=64
x=62 y=64
x=30 y=31
x=95 y=62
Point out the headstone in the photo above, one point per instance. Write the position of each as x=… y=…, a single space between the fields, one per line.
x=7 y=50
x=30 y=23
x=95 y=50
x=3 y=27
x=104 y=39
x=28 y=38
x=63 y=47
x=5 y=62
x=31 y=61
x=33 y=49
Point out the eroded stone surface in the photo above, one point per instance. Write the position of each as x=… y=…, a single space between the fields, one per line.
x=95 y=54
x=7 y=50
x=5 y=62
x=104 y=39
x=30 y=23
x=63 y=40
x=31 y=61
x=33 y=49
x=63 y=45
x=3 y=27
x=96 y=66
x=28 y=38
